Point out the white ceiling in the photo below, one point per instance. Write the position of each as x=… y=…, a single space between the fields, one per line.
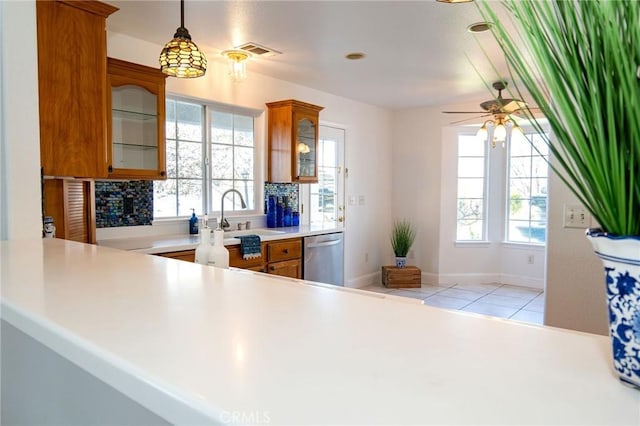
x=418 y=53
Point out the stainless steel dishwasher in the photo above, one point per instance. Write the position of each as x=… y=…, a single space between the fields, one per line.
x=323 y=258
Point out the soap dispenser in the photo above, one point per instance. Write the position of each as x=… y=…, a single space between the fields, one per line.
x=203 y=249
x=218 y=254
x=193 y=223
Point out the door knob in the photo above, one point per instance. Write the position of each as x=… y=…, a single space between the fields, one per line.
x=341 y=219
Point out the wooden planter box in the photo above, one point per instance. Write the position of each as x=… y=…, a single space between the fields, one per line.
x=407 y=277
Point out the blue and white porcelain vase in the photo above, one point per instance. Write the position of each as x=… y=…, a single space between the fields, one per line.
x=621 y=258
x=401 y=262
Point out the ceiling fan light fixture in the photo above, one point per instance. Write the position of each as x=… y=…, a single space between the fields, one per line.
x=237 y=64
x=180 y=57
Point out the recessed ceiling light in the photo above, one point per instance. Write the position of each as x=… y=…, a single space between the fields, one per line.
x=479 y=27
x=355 y=56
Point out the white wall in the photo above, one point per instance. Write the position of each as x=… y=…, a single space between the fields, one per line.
x=575 y=294
x=20 y=201
x=368 y=143
x=417 y=145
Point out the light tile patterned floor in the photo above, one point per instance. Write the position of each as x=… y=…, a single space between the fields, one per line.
x=498 y=300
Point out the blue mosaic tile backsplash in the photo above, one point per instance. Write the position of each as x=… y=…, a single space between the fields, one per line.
x=280 y=190
x=124 y=203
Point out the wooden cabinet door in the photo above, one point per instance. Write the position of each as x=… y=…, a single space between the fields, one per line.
x=288 y=268
x=71 y=203
x=72 y=70
x=135 y=121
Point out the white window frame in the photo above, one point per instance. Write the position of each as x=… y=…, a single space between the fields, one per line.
x=485 y=200
x=258 y=184
x=527 y=134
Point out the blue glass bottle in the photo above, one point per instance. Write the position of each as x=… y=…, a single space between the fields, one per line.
x=271 y=211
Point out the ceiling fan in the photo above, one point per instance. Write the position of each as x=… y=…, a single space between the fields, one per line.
x=499 y=107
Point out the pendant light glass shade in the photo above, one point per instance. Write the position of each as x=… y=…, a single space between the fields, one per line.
x=181 y=57
x=237 y=64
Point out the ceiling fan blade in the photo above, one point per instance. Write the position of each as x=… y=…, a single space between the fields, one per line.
x=463 y=112
x=469 y=119
x=514 y=105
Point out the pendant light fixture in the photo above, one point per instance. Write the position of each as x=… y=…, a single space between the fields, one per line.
x=181 y=57
x=237 y=64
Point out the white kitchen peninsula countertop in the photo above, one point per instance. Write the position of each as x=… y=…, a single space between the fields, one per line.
x=192 y=342
x=177 y=242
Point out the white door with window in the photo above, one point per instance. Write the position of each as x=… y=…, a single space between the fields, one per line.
x=322 y=203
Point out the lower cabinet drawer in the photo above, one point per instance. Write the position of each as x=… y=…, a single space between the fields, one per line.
x=287 y=268
x=284 y=250
x=188 y=255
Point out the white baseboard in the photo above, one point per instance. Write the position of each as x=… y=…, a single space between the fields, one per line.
x=517 y=280
x=450 y=279
x=364 y=280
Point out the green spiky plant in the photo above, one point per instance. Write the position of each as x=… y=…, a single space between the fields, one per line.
x=403 y=235
x=579 y=61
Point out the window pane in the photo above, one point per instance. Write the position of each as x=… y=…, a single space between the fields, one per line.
x=189 y=121
x=470 y=188
x=190 y=159
x=243 y=130
x=246 y=189
x=470 y=167
x=519 y=146
x=222 y=127
x=221 y=162
x=520 y=166
x=170 y=128
x=470 y=232
x=470 y=146
x=171 y=158
x=243 y=166
x=165 y=201
x=469 y=210
x=189 y=196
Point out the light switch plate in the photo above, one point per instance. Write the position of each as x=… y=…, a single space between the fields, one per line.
x=576 y=216
x=352 y=200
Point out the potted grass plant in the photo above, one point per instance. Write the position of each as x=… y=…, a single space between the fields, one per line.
x=579 y=61
x=403 y=235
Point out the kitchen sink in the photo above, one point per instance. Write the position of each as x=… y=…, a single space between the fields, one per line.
x=260 y=232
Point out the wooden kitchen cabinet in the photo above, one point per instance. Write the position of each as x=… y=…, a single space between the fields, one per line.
x=135 y=121
x=72 y=70
x=279 y=257
x=71 y=203
x=284 y=257
x=292 y=138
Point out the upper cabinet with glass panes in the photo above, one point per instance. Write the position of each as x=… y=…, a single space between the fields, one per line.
x=136 y=120
x=293 y=141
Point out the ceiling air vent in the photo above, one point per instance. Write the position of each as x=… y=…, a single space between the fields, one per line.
x=258 y=50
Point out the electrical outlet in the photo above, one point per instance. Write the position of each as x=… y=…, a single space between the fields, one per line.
x=530 y=259
x=366 y=258
x=576 y=217
x=352 y=200
x=361 y=200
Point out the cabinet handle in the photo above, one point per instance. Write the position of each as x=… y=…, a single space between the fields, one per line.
x=110 y=168
x=162 y=173
x=285 y=251
x=273 y=268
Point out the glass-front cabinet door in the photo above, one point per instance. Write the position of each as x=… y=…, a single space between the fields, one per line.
x=306 y=131
x=137 y=115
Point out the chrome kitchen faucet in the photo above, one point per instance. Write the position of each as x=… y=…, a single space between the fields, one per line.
x=224 y=224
